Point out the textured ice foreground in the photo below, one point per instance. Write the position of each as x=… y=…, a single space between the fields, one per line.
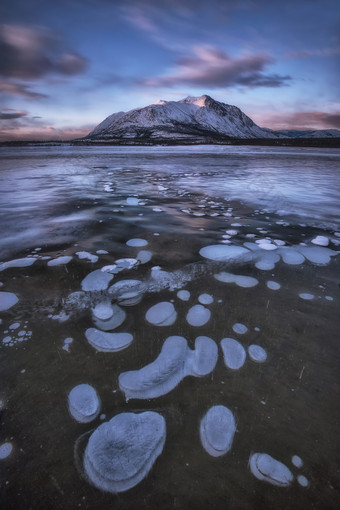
x=217 y=430
x=121 y=452
x=128 y=292
x=268 y=469
x=240 y=280
x=198 y=315
x=233 y=352
x=161 y=314
x=7 y=300
x=108 y=342
x=175 y=361
x=83 y=403
x=221 y=252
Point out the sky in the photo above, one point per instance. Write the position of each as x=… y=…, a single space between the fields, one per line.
x=65 y=65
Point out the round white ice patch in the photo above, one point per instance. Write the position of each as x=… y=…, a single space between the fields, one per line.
x=198 y=315
x=161 y=314
x=136 y=242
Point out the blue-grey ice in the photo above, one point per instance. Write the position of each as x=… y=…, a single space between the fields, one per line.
x=266 y=260
x=320 y=241
x=217 y=430
x=175 y=361
x=87 y=256
x=97 y=280
x=205 y=299
x=306 y=295
x=7 y=300
x=240 y=280
x=291 y=256
x=144 y=256
x=83 y=403
x=27 y=261
x=132 y=201
x=184 y=295
x=257 y=353
x=198 y=315
x=273 y=285
x=121 y=452
x=268 y=469
x=225 y=253
x=120 y=265
x=317 y=254
x=297 y=461
x=302 y=480
x=59 y=261
x=136 y=242
x=108 y=342
x=128 y=292
x=234 y=353
x=239 y=328
x=161 y=314
x=5 y=450
x=106 y=316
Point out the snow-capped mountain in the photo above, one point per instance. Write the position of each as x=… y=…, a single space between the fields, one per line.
x=194 y=118
x=309 y=133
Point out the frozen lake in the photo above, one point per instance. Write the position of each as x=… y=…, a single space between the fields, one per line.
x=169 y=327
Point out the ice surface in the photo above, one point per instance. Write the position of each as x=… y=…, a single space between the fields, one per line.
x=7 y=300
x=97 y=280
x=136 y=242
x=59 y=261
x=128 y=292
x=273 y=285
x=291 y=256
x=268 y=469
x=5 y=450
x=320 y=241
x=27 y=261
x=205 y=299
x=87 y=255
x=257 y=353
x=240 y=280
x=217 y=430
x=161 y=314
x=144 y=256
x=116 y=318
x=184 y=295
x=132 y=201
x=317 y=254
x=198 y=315
x=103 y=311
x=233 y=352
x=297 y=461
x=306 y=295
x=83 y=403
x=266 y=260
x=239 y=328
x=121 y=452
x=224 y=253
x=108 y=342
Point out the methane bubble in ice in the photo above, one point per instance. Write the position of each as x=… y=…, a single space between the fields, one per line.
x=240 y=280
x=291 y=256
x=184 y=295
x=128 y=292
x=317 y=255
x=132 y=201
x=297 y=461
x=257 y=353
x=87 y=256
x=174 y=362
x=161 y=314
x=136 y=242
x=83 y=403
x=217 y=430
x=302 y=480
x=306 y=295
x=121 y=452
x=5 y=450
x=266 y=261
x=268 y=469
x=115 y=316
x=205 y=299
x=27 y=261
x=59 y=261
x=144 y=256
x=273 y=285
x=198 y=315
x=224 y=253
x=321 y=241
x=7 y=300
x=233 y=352
x=239 y=328
x=97 y=280
x=108 y=342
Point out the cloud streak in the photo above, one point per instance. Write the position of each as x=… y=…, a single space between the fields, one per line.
x=303 y=120
x=18 y=89
x=10 y=114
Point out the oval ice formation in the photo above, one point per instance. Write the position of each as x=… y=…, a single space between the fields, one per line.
x=87 y=256
x=128 y=292
x=184 y=295
x=97 y=280
x=5 y=450
x=306 y=295
x=222 y=252
x=198 y=315
x=136 y=242
x=297 y=461
x=160 y=376
x=121 y=452
x=24 y=262
x=115 y=316
x=240 y=280
x=266 y=261
x=132 y=201
x=144 y=256
x=268 y=469
x=239 y=328
x=320 y=241
x=257 y=353
x=7 y=300
x=233 y=352
x=273 y=285
x=161 y=314
x=83 y=403
x=108 y=342
x=302 y=480
x=317 y=254
x=217 y=430
x=203 y=359
x=59 y=261
x=291 y=256
x=205 y=299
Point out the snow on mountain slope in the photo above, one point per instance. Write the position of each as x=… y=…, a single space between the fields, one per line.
x=309 y=133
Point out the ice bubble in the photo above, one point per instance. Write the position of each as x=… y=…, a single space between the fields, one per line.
x=83 y=403
x=320 y=241
x=15 y=325
x=102 y=252
x=7 y=300
x=157 y=209
x=257 y=353
x=136 y=242
x=317 y=254
x=198 y=315
x=184 y=295
x=205 y=299
x=108 y=342
x=273 y=285
x=329 y=298
x=121 y=452
x=268 y=469
x=239 y=328
x=132 y=201
x=116 y=318
x=240 y=280
x=232 y=232
x=59 y=261
x=266 y=261
x=217 y=430
x=224 y=253
x=67 y=343
x=87 y=255
x=203 y=359
x=28 y=261
x=306 y=295
x=161 y=314
x=302 y=480
x=233 y=352
x=144 y=256
x=5 y=450
x=291 y=256
x=128 y=292
x=297 y=461
x=97 y=280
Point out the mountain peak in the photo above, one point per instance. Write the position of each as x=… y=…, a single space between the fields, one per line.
x=198 y=101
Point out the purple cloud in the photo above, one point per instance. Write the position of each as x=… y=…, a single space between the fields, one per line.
x=303 y=120
x=18 y=89
x=10 y=114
